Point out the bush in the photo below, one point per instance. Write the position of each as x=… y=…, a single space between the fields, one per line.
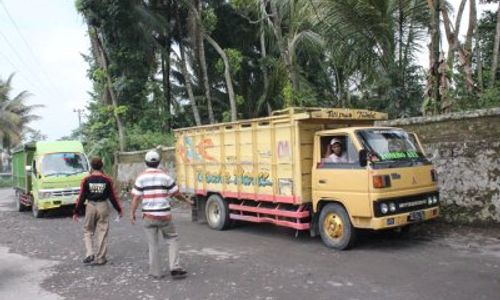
x=5 y=182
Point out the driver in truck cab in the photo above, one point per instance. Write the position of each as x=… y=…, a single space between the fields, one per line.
x=335 y=152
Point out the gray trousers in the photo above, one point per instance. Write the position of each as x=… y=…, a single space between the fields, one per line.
x=96 y=225
x=153 y=229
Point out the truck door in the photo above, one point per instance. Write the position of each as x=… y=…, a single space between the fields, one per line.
x=341 y=177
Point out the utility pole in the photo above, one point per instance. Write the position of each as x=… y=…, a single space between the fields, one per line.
x=79 y=111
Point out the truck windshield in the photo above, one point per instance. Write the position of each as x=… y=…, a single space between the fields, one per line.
x=56 y=164
x=394 y=145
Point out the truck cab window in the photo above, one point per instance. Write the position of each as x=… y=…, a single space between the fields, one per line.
x=337 y=152
x=56 y=164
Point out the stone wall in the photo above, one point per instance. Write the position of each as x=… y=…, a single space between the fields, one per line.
x=464 y=148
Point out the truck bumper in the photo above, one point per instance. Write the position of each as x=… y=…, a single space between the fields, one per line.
x=51 y=203
x=403 y=219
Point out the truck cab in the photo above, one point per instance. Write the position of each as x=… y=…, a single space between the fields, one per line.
x=47 y=175
x=381 y=179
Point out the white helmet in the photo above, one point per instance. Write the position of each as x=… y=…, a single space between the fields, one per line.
x=152 y=156
x=335 y=140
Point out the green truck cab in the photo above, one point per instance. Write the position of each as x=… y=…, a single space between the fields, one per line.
x=47 y=175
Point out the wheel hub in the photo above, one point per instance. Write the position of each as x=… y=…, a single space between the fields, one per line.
x=213 y=213
x=333 y=226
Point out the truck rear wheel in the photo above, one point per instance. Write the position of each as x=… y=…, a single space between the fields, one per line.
x=20 y=206
x=217 y=212
x=335 y=227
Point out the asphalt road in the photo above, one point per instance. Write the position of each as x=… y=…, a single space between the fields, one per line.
x=41 y=259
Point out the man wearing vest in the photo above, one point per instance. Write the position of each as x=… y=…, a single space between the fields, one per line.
x=154 y=187
x=96 y=189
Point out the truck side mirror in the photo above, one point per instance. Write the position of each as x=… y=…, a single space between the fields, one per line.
x=363 y=157
x=28 y=169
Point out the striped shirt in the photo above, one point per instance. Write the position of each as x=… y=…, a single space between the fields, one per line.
x=155 y=187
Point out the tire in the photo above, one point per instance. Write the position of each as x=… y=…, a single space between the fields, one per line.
x=217 y=213
x=335 y=227
x=20 y=207
x=36 y=212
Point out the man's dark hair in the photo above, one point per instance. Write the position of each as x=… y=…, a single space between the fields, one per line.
x=96 y=163
x=152 y=164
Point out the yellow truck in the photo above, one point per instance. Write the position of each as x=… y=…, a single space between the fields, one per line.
x=287 y=170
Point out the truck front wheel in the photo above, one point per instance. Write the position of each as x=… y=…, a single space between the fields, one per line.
x=34 y=209
x=217 y=212
x=335 y=227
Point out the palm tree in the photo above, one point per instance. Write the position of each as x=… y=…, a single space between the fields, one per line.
x=372 y=43
x=15 y=114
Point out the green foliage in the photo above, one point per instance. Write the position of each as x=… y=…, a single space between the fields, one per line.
x=15 y=114
x=235 y=58
x=209 y=20
x=490 y=98
x=5 y=182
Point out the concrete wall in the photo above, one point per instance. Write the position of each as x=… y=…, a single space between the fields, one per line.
x=464 y=148
x=130 y=164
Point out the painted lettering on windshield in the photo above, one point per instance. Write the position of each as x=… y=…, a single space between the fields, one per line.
x=398 y=155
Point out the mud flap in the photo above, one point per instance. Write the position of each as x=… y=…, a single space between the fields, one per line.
x=313 y=230
x=198 y=210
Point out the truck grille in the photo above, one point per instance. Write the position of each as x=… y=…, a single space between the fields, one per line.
x=405 y=204
x=65 y=193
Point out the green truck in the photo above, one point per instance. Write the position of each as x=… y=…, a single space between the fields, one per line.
x=47 y=175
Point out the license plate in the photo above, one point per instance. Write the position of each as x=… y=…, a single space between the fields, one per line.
x=68 y=200
x=416 y=216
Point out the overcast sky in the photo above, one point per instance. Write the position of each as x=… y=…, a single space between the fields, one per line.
x=43 y=44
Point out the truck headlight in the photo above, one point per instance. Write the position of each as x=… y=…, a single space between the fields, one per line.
x=42 y=195
x=384 y=208
x=434 y=199
x=392 y=207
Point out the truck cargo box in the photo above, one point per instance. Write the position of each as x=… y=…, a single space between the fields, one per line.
x=22 y=157
x=264 y=159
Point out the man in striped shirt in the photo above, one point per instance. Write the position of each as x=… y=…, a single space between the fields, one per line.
x=154 y=188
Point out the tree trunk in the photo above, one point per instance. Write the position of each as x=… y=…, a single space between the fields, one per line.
x=227 y=76
x=496 y=46
x=400 y=40
x=165 y=64
x=199 y=32
x=109 y=85
x=468 y=45
x=185 y=73
x=463 y=55
x=263 y=55
x=433 y=79
x=480 y=82
x=286 y=56
x=451 y=51
x=165 y=70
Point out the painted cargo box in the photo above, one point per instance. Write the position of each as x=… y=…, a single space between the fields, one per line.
x=265 y=159
x=21 y=158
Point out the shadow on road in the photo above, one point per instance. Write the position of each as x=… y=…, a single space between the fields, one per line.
x=366 y=239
